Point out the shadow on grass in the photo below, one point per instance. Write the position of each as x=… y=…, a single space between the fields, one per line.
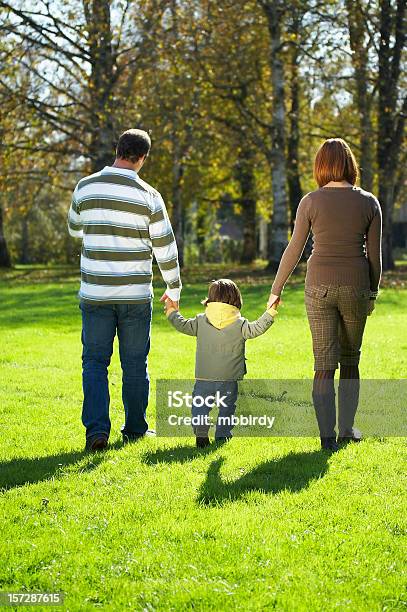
x=55 y=306
x=293 y=472
x=39 y=274
x=177 y=454
x=18 y=472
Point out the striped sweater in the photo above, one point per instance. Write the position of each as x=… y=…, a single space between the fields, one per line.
x=122 y=222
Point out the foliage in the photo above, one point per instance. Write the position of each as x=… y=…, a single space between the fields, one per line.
x=218 y=86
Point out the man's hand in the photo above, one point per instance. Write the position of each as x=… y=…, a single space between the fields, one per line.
x=274 y=300
x=371 y=307
x=164 y=299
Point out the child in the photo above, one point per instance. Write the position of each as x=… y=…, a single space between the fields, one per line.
x=220 y=351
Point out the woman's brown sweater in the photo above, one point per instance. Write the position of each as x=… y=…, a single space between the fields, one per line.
x=346 y=224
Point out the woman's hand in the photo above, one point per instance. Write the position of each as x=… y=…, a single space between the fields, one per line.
x=371 y=307
x=273 y=300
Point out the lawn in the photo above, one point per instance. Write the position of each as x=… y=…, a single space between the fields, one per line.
x=256 y=524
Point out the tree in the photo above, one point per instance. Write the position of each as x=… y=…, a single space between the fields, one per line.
x=80 y=64
x=245 y=176
x=177 y=103
x=235 y=94
x=293 y=140
x=275 y=11
x=7 y=107
x=102 y=80
x=391 y=113
x=5 y=261
x=359 y=38
x=249 y=74
x=212 y=121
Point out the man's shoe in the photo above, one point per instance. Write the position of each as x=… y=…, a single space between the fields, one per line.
x=355 y=436
x=202 y=442
x=127 y=438
x=329 y=444
x=96 y=443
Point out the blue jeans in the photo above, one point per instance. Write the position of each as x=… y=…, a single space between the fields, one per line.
x=99 y=325
x=227 y=390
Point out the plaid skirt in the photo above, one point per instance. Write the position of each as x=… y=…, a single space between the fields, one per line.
x=337 y=319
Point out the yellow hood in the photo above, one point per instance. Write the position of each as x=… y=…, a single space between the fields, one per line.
x=221 y=315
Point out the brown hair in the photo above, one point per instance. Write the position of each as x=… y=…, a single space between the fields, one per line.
x=226 y=291
x=335 y=161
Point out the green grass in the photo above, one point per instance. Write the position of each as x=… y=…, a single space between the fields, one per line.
x=254 y=525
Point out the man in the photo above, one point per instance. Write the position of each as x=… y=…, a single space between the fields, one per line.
x=122 y=222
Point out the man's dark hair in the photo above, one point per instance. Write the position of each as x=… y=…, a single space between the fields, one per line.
x=133 y=144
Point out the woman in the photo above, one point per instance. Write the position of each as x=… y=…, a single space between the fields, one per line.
x=343 y=275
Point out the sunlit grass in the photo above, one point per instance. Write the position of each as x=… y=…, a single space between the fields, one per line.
x=256 y=524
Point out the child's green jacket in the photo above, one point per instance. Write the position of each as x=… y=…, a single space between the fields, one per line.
x=221 y=336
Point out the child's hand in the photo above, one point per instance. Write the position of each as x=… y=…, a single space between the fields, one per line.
x=273 y=310
x=273 y=301
x=170 y=306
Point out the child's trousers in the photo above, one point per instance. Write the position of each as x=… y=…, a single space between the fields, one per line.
x=224 y=394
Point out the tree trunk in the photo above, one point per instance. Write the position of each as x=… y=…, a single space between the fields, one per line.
x=201 y=217
x=177 y=207
x=25 y=241
x=97 y=13
x=5 y=261
x=274 y=10
x=245 y=176
x=293 y=174
x=360 y=62
x=386 y=198
x=390 y=119
x=263 y=238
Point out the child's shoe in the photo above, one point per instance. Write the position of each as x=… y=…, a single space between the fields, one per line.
x=202 y=442
x=329 y=444
x=223 y=440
